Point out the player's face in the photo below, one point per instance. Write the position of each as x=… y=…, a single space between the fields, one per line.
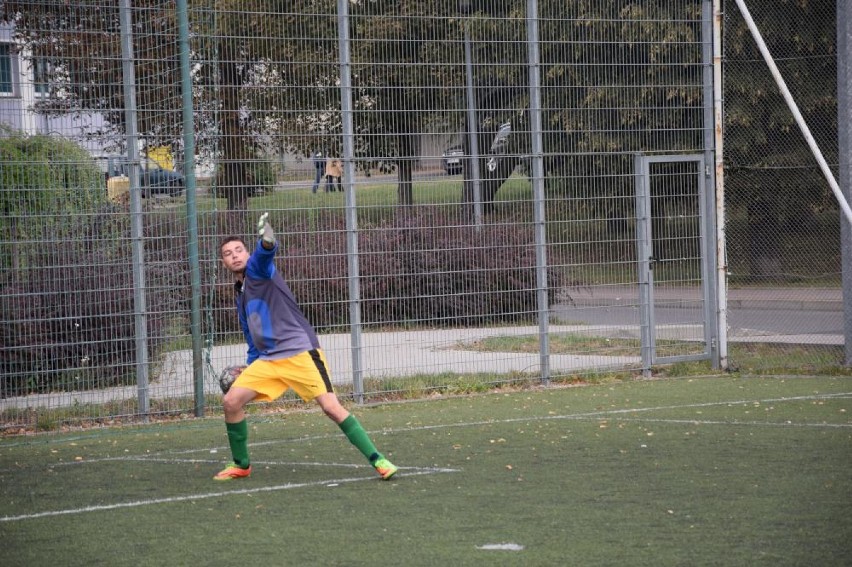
x=235 y=256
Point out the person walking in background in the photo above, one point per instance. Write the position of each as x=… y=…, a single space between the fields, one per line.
x=283 y=353
x=319 y=168
x=333 y=169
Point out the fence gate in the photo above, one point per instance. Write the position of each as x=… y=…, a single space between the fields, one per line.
x=676 y=259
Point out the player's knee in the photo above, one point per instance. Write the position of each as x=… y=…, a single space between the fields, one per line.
x=231 y=404
x=338 y=415
x=332 y=407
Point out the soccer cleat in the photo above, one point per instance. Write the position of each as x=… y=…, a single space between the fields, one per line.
x=232 y=471
x=385 y=468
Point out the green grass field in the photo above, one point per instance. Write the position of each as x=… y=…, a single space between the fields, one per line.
x=689 y=471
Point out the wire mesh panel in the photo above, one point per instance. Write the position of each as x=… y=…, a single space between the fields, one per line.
x=617 y=86
x=675 y=263
x=92 y=293
x=783 y=224
x=452 y=185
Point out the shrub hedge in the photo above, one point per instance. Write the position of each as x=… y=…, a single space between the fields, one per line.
x=421 y=268
x=67 y=315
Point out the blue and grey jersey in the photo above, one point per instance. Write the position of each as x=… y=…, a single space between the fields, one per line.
x=272 y=322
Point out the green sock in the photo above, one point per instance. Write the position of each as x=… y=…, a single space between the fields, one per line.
x=358 y=437
x=238 y=439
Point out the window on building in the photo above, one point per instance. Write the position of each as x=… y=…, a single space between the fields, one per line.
x=41 y=73
x=5 y=69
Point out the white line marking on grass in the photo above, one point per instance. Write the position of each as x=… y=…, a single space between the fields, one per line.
x=746 y=423
x=160 y=459
x=255 y=463
x=605 y=413
x=691 y=406
x=501 y=547
x=578 y=416
x=138 y=503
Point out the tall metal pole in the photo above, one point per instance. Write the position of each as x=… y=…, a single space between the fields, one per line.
x=472 y=123
x=534 y=58
x=708 y=236
x=191 y=210
x=844 y=119
x=137 y=244
x=346 y=109
x=719 y=170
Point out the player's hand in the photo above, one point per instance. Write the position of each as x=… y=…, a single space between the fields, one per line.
x=265 y=232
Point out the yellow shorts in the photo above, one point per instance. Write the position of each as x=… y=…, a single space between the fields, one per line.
x=306 y=373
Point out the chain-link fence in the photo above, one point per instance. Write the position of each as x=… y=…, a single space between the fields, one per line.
x=466 y=193
x=782 y=221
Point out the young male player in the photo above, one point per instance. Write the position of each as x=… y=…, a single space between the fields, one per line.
x=283 y=352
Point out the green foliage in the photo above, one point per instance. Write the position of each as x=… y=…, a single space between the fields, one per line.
x=760 y=129
x=420 y=268
x=263 y=176
x=654 y=103
x=259 y=177
x=46 y=175
x=89 y=77
x=618 y=76
x=67 y=314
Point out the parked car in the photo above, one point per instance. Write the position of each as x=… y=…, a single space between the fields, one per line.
x=153 y=178
x=452 y=156
x=451 y=160
x=498 y=147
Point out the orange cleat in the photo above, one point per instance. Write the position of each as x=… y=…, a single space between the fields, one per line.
x=232 y=471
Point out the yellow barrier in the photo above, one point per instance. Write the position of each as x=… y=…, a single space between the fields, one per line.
x=118 y=189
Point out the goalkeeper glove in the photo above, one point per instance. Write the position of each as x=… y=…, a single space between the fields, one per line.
x=265 y=232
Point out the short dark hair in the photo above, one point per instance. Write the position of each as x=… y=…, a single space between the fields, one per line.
x=232 y=238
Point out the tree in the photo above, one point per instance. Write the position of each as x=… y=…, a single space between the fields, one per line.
x=770 y=172
x=266 y=74
x=81 y=43
x=46 y=177
x=401 y=56
x=618 y=77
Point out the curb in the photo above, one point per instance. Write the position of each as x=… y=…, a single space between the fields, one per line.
x=757 y=304
x=786 y=304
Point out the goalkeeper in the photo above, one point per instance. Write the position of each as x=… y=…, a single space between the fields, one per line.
x=283 y=352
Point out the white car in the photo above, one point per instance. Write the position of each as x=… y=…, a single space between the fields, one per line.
x=498 y=146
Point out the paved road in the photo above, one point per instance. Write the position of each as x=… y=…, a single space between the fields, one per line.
x=746 y=321
x=752 y=312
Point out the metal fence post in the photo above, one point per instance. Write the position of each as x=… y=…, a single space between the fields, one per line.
x=346 y=109
x=844 y=116
x=191 y=210
x=644 y=254
x=538 y=188
x=472 y=117
x=719 y=186
x=709 y=236
x=138 y=246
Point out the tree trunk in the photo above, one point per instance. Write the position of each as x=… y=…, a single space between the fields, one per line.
x=493 y=180
x=232 y=179
x=763 y=238
x=405 y=189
